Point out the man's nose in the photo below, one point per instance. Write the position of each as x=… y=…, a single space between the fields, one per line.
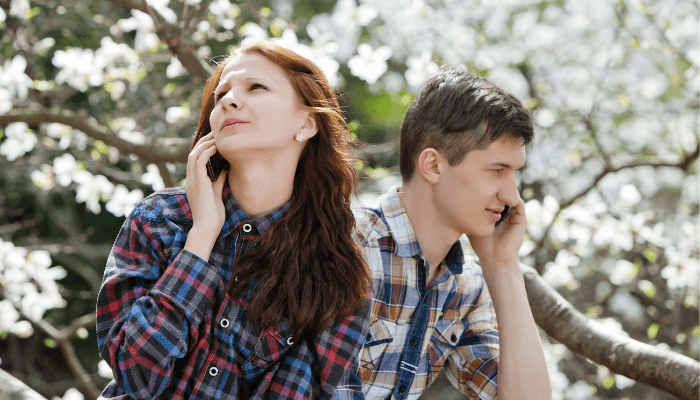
x=509 y=194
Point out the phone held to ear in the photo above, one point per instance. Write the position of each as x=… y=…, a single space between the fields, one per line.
x=504 y=214
x=215 y=165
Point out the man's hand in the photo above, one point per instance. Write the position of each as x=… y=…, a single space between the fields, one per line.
x=501 y=248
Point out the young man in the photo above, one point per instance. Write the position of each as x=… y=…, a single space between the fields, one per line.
x=462 y=141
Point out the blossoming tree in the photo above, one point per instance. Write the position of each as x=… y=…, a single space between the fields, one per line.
x=99 y=101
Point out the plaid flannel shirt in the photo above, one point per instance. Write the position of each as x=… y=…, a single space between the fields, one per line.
x=169 y=330
x=416 y=330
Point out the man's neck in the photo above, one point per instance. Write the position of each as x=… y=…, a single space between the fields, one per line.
x=434 y=237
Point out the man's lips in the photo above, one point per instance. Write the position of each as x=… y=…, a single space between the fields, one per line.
x=496 y=214
x=232 y=122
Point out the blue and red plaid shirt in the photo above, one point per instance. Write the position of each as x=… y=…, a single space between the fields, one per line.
x=169 y=330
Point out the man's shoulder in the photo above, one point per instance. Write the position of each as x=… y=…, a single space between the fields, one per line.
x=371 y=224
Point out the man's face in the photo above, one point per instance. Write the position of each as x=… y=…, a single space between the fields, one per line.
x=470 y=195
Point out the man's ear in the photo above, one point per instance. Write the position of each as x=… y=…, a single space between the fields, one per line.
x=310 y=126
x=429 y=164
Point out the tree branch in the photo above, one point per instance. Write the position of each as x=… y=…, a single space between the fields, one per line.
x=159 y=149
x=684 y=165
x=170 y=34
x=666 y=370
x=12 y=388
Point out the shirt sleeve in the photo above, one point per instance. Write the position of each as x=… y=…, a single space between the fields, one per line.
x=148 y=309
x=329 y=364
x=472 y=367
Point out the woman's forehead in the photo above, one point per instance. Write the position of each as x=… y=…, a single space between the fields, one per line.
x=253 y=66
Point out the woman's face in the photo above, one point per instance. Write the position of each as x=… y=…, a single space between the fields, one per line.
x=256 y=111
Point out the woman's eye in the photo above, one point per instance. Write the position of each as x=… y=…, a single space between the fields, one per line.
x=219 y=95
x=257 y=86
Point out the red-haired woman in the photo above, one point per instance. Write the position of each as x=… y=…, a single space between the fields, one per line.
x=247 y=282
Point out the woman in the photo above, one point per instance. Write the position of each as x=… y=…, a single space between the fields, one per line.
x=246 y=283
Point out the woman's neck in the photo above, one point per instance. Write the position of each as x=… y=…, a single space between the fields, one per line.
x=261 y=185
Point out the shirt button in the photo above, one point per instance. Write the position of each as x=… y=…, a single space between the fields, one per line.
x=402 y=388
x=369 y=337
x=213 y=371
x=224 y=323
x=414 y=342
x=290 y=341
x=453 y=338
x=247 y=228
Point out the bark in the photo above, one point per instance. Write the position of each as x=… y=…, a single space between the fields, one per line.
x=665 y=370
x=12 y=388
x=157 y=150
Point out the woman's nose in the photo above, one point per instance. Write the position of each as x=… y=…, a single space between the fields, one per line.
x=230 y=102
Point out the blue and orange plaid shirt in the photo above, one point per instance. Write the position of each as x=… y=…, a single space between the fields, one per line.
x=169 y=330
x=416 y=331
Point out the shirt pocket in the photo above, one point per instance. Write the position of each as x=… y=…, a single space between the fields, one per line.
x=272 y=344
x=445 y=338
x=381 y=333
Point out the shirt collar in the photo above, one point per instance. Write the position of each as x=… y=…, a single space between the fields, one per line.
x=404 y=236
x=235 y=217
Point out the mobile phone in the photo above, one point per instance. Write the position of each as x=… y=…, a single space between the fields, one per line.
x=215 y=165
x=504 y=214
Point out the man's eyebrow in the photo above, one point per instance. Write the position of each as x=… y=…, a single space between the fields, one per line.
x=504 y=165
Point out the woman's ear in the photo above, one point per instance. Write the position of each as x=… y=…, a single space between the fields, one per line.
x=309 y=127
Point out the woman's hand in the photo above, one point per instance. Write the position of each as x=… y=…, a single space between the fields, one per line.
x=205 y=199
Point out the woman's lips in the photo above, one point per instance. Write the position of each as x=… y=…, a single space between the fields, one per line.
x=232 y=122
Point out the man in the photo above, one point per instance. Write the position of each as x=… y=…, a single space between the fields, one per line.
x=462 y=141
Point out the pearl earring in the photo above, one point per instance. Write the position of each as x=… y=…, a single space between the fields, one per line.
x=299 y=137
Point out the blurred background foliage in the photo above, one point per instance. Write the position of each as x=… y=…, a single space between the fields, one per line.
x=611 y=184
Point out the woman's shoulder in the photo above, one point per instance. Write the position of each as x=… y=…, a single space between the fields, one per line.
x=170 y=203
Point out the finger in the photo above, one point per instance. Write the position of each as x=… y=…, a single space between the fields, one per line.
x=201 y=162
x=196 y=153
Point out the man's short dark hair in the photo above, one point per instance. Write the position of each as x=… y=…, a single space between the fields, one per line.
x=456 y=112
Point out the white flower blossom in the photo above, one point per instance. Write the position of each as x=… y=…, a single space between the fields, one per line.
x=64 y=167
x=623 y=273
x=104 y=370
x=152 y=177
x=61 y=132
x=623 y=303
x=19 y=141
x=5 y=100
x=175 y=114
x=420 y=68
x=91 y=189
x=175 y=68
x=19 y=8
x=13 y=78
x=71 y=394
x=369 y=64
x=123 y=201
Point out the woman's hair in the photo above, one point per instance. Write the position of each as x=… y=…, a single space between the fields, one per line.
x=308 y=268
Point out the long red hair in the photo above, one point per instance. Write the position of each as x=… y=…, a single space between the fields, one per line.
x=308 y=266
